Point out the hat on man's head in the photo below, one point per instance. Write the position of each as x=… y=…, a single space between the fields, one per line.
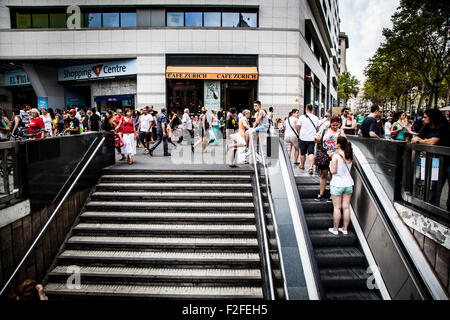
x=73 y=111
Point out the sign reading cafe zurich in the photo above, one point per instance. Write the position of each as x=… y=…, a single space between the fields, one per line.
x=98 y=70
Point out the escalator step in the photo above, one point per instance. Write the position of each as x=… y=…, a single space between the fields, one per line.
x=310 y=206
x=323 y=238
x=351 y=278
x=319 y=220
x=339 y=257
x=352 y=295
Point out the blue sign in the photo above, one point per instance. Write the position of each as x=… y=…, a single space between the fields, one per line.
x=16 y=78
x=73 y=99
x=98 y=70
x=42 y=102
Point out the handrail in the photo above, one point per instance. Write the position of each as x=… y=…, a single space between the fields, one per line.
x=265 y=243
x=51 y=217
x=275 y=223
x=313 y=284
x=80 y=163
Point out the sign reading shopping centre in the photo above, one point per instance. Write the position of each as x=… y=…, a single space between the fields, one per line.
x=98 y=70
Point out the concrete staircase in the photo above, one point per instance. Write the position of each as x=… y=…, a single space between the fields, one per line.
x=163 y=235
x=342 y=265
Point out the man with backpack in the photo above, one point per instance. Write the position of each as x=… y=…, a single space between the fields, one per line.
x=308 y=129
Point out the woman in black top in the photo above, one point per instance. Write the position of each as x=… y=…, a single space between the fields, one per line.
x=349 y=124
x=203 y=126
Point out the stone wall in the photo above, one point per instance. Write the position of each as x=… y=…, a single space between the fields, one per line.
x=17 y=237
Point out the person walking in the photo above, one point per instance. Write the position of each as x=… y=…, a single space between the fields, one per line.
x=161 y=133
x=187 y=126
x=72 y=124
x=359 y=119
x=387 y=128
x=369 y=127
x=400 y=128
x=94 y=121
x=36 y=124
x=233 y=136
x=145 y=124
x=5 y=126
x=341 y=184
x=129 y=136
x=326 y=145
x=308 y=129
x=291 y=134
x=48 y=123
x=261 y=124
x=214 y=120
x=203 y=126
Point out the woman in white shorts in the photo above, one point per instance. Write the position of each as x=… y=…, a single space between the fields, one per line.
x=341 y=184
x=291 y=132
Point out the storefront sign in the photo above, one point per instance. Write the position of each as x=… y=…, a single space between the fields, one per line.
x=212 y=76
x=16 y=78
x=73 y=99
x=98 y=70
x=212 y=95
x=212 y=73
x=42 y=102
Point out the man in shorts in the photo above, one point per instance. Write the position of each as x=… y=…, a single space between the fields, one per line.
x=308 y=129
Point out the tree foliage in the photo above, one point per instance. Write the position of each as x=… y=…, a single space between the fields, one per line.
x=348 y=86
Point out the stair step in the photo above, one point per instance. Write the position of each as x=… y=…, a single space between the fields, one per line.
x=189 y=171
x=207 y=178
x=340 y=277
x=166 y=217
x=171 y=258
x=323 y=238
x=153 y=292
x=352 y=295
x=339 y=257
x=160 y=275
x=165 y=229
x=175 y=196
x=168 y=206
x=311 y=191
x=153 y=243
x=174 y=186
x=319 y=220
x=313 y=206
x=307 y=180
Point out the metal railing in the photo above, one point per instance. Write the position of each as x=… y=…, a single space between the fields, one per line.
x=262 y=226
x=424 y=172
x=9 y=151
x=58 y=207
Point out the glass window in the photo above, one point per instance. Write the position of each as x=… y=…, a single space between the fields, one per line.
x=212 y=19
x=94 y=20
x=175 y=19
x=128 y=19
x=111 y=20
x=248 y=20
x=23 y=20
x=230 y=19
x=40 y=20
x=58 y=20
x=193 y=19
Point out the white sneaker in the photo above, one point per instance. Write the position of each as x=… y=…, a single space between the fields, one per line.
x=343 y=231
x=333 y=231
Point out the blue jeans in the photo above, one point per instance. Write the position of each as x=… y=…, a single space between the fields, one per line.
x=158 y=141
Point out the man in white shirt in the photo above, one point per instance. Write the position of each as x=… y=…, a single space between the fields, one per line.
x=145 y=125
x=308 y=129
x=187 y=125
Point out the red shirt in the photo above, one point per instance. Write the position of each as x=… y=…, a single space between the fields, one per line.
x=117 y=120
x=34 y=125
x=128 y=126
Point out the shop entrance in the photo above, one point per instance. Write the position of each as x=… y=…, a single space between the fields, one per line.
x=24 y=95
x=114 y=102
x=78 y=96
x=238 y=94
x=185 y=94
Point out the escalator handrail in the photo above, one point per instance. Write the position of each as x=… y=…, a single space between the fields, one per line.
x=425 y=290
x=275 y=223
x=316 y=283
x=60 y=203
x=265 y=242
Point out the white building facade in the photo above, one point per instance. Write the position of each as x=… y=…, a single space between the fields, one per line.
x=170 y=53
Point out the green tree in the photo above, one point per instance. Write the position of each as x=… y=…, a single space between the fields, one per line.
x=420 y=39
x=348 y=87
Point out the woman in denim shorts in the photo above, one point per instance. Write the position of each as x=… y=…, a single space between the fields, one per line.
x=341 y=184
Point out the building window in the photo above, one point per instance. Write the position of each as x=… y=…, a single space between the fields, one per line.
x=94 y=20
x=128 y=19
x=23 y=21
x=39 y=20
x=230 y=19
x=111 y=20
x=175 y=19
x=248 y=20
x=212 y=19
x=58 y=20
x=194 y=19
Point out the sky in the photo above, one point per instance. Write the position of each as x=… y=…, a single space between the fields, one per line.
x=363 y=22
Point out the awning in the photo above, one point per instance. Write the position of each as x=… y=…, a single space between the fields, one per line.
x=212 y=73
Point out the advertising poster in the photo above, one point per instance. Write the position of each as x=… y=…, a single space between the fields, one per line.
x=212 y=96
x=42 y=102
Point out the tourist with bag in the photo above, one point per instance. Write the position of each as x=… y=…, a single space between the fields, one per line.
x=291 y=137
x=326 y=147
x=341 y=184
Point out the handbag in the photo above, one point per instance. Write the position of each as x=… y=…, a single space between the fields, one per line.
x=321 y=157
x=394 y=134
x=118 y=141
